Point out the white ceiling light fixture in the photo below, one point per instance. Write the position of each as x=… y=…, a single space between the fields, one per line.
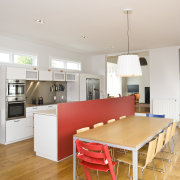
x=128 y=65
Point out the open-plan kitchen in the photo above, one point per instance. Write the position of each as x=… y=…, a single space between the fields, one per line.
x=89 y=90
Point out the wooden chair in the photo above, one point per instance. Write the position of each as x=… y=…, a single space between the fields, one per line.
x=111 y=121
x=96 y=157
x=98 y=124
x=82 y=130
x=142 y=162
x=167 y=141
x=122 y=117
x=173 y=131
x=160 y=144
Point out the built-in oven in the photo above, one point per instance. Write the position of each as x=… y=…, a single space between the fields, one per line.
x=15 y=108
x=15 y=88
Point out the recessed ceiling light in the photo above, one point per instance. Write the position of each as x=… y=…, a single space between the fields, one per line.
x=84 y=36
x=40 y=21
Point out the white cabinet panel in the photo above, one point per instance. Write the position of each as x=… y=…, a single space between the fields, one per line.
x=17 y=130
x=45 y=136
x=16 y=73
x=71 y=76
x=45 y=75
x=59 y=76
x=32 y=75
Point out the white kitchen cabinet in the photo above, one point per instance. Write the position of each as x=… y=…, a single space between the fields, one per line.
x=59 y=76
x=32 y=74
x=71 y=76
x=16 y=73
x=45 y=75
x=45 y=136
x=18 y=129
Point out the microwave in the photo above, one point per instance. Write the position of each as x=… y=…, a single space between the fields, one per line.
x=15 y=88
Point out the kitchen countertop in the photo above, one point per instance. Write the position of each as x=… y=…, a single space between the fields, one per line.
x=34 y=105
x=46 y=104
x=51 y=112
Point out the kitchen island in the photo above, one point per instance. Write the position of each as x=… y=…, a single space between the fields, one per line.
x=45 y=134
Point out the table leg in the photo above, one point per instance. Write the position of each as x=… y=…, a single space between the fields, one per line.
x=135 y=165
x=74 y=159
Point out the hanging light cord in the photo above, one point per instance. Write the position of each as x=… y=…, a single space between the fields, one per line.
x=128 y=29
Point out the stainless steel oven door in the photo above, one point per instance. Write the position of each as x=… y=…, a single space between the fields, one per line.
x=15 y=110
x=15 y=88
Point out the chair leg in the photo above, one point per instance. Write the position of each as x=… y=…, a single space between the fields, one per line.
x=87 y=173
x=142 y=172
x=129 y=171
x=117 y=170
x=155 y=175
x=170 y=152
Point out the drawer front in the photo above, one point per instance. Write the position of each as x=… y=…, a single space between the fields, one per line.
x=31 y=109
x=18 y=129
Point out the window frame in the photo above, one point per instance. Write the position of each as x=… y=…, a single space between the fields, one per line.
x=25 y=54
x=10 y=56
x=12 y=61
x=65 y=64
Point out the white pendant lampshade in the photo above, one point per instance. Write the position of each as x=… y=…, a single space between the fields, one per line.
x=129 y=66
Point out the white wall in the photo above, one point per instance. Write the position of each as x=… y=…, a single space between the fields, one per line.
x=44 y=52
x=164 y=73
x=99 y=66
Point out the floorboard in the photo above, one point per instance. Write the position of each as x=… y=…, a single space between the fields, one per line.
x=18 y=162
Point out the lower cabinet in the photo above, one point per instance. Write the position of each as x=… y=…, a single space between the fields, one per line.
x=19 y=129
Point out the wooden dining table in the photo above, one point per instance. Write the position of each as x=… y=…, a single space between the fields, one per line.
x=130 y=133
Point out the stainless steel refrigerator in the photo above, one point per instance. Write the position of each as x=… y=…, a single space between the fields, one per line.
x=92 y=89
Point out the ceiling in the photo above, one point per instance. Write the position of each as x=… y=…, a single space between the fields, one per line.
x=153 y=23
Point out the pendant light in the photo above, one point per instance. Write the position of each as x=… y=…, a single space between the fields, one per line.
x=128 y=65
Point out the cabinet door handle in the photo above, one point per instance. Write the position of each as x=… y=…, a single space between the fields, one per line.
x=16 y=120
x=34 y=108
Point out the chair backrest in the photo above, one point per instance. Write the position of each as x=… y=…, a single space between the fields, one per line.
x=151 y=151
x=122 y=117
x=82 y=130
x=168 y=134
x=92 y=153
x=160 y=142
x=173 y=130
x=155 y=115
x=98 y=124
x=111 y=121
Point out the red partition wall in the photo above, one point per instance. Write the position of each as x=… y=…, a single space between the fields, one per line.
x=76 y=115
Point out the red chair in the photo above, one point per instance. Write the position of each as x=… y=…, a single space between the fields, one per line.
x=96 y=157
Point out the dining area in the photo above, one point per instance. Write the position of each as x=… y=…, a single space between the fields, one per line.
x=133 y=143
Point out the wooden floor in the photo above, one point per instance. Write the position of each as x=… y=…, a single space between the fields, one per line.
x=18 y=162
x=142 y=108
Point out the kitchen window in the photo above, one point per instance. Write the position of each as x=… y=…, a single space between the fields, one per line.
x=65 y=64
x=4 y=57
x=25 y=59
x=13 y=58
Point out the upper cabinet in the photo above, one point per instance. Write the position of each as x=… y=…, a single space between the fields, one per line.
x=32 y=74
x=16 y=73
x=59 y=76
x=71 y=76
x=45 y=76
